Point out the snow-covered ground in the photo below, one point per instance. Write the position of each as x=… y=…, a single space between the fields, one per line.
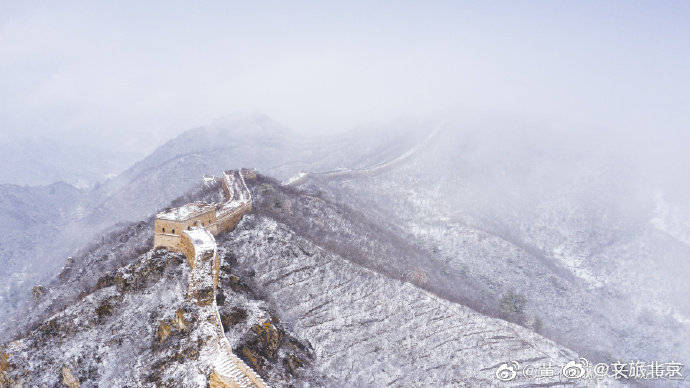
x=370 y=330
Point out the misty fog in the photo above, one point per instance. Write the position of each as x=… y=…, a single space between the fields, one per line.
x=122 y=79
x=536 y=148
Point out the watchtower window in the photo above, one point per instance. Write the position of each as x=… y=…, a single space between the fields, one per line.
x=173 y=231
x=163 y=230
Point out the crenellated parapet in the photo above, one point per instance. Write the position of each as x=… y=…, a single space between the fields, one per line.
x=190 y=229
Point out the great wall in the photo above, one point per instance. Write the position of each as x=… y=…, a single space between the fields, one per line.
x=190 y=229
x=349 y=173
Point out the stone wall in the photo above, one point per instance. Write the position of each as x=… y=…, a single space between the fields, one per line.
x=194 y=238
x=167 y=232
x=229 y=221
x=228 y=369
x=171 y=242
x=187 y=247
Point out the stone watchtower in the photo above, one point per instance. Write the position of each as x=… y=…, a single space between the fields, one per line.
x=170 y=225
x=215 y=217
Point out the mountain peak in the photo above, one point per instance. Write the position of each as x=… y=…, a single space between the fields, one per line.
x=251 y=122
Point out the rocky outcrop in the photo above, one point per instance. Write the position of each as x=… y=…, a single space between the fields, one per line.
x=68 y=378
x=158 y=314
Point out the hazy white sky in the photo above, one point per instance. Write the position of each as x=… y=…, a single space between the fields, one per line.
x=162 y=67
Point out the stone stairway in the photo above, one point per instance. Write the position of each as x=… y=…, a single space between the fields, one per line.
x=231 y=368
x=232 y=373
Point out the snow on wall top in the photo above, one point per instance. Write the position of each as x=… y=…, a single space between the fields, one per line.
x=201 y=275
x=237 y=194
x=236 y=188
x=202 y=240
x=185 y=212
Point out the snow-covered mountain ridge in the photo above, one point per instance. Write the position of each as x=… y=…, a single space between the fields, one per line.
x=147 y=186
x=589 y=243
x=297 y=311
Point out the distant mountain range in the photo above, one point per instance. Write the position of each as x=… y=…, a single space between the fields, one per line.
x=302 y=297
x=73 y=220
x=78 y=159
x=581 y=235
x=474 y=226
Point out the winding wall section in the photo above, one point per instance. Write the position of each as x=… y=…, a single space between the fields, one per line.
x=374 y=169
x=199 y=246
